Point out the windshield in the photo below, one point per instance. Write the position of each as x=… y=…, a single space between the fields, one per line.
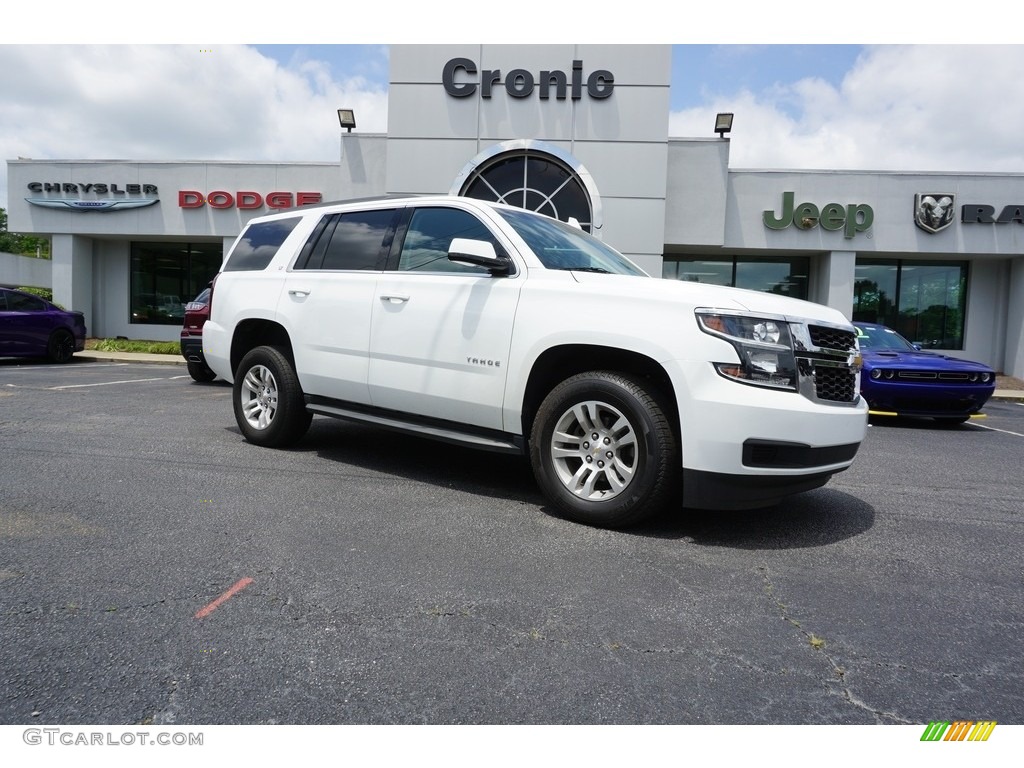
x=561 y=246
x=878 y=337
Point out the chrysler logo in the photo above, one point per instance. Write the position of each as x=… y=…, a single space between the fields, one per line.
x=90 y=205
x=933 y=212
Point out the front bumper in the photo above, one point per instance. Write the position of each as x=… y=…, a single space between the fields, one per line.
x=746 y=446
x=925 y=400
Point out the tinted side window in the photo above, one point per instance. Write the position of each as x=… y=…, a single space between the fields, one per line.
x=431 y=231
x=258 y=244
x=18 y=302
x=358 y=241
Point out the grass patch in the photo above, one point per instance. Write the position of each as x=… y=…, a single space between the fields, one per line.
x=134 y=345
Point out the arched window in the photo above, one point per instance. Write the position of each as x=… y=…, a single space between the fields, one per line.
x=524 y=175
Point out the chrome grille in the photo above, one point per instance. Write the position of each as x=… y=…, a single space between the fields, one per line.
x=827 y=363
x=832 y=338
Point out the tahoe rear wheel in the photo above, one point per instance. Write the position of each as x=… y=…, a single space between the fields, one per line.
x=269 y=406
x=603 y=449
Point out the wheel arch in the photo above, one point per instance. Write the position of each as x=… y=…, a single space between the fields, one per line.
x=558 y=363
x=256 y=332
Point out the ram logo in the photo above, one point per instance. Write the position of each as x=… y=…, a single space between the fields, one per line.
x=933 y=212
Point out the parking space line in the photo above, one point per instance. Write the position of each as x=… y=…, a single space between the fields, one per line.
x=237 y=587
x=105 y=383
x=993 y=429
x=60 y=367
x=96 y=384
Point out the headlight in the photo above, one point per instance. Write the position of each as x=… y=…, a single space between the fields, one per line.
x=764 y=346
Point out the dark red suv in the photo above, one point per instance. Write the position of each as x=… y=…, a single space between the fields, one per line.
x=197 y=312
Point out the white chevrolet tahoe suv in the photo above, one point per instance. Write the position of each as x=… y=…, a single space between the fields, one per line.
x=499 y=328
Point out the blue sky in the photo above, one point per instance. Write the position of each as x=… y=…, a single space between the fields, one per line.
x=698 y=70
x=701 y=71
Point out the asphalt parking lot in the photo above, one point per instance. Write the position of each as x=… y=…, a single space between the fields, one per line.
x=156 y=569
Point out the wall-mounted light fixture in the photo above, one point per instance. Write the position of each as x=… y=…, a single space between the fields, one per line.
x=347 y=118
x=723 y=124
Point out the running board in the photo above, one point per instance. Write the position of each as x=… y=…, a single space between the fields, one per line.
x=495 y=441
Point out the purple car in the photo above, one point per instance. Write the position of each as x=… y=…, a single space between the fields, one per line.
x=33 y=327
x=899 y=379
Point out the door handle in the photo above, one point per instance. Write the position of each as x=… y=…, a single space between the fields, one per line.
x=298 y=292
x=394 y=298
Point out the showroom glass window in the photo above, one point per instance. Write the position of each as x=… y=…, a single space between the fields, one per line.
x=923 y=301
x=535 y=181
x=166 y=276
x=785 y=275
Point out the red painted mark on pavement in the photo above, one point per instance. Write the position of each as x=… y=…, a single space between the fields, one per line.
x=237 y=587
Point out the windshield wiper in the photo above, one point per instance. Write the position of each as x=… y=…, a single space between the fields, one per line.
x=602 y=270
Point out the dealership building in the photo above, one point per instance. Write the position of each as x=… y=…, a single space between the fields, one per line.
x=576 y=131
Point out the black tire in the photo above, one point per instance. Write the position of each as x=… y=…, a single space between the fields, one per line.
x=61 y=346
x=269 y=405
x=628 y=473
x=200 y=372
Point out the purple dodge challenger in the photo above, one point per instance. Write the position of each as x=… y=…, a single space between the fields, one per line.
x=33 y=327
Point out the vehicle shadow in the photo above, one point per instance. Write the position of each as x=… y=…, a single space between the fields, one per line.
x=813 y=519
x=483 y=473
x=816 y=518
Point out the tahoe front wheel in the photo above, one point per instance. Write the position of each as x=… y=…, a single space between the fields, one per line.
x=603 y=449
x=269 y=406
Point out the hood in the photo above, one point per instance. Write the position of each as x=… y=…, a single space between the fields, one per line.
x=920 y=360
x=712 y=296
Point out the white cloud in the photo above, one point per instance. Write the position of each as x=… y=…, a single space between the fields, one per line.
x=912 y=108
x=166 y=102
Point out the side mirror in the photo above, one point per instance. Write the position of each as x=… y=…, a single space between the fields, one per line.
x=478 y=253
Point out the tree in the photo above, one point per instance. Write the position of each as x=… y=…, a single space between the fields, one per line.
x=25 y=245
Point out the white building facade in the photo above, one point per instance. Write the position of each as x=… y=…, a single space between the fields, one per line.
x=576 y=131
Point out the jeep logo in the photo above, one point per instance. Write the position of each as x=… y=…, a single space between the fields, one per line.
x=833 y=217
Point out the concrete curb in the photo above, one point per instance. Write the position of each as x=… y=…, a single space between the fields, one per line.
x=1008 y=394
x=129 y=357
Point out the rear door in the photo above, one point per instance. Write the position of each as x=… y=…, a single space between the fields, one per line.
x=441 y=332
x=328 y=298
